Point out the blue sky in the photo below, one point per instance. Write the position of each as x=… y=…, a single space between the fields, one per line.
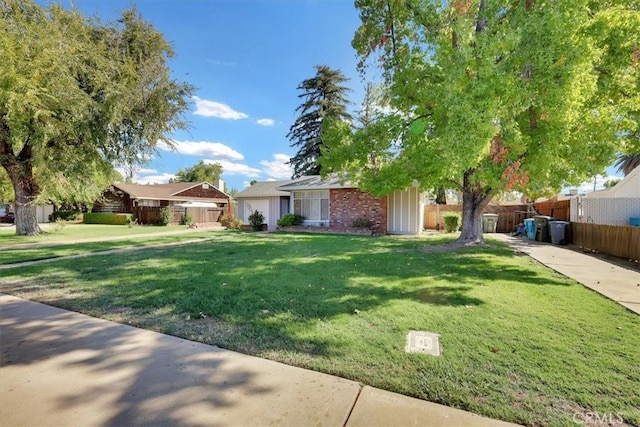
x=246 y=58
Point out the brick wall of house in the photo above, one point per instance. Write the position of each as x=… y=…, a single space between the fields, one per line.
x=348 y=204
x=208 y=193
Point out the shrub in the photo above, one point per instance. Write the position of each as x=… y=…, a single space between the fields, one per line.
x=231 y=222
x=107 y=218
x=59 y=224
x=451 y=223
x=256 y=219
x=361 y=222
x=166 y=216
x=187 y=219
x=64 y=215
x=291 y=219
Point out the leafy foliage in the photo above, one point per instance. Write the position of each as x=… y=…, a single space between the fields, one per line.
x=187 y=219
x=627 y=162
x=65 y=215
x=323 y=97
x=107 y=218
x=256 y=219
x=166 y=216
x=361 y=222
x=489 y=96
x=231 y=222
x=209 y=172
x=451 y=223
x=78 y=95
x=291 y=219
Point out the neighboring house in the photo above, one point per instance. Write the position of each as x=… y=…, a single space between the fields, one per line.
x=613 y=205
x=130 y=198
x=334 y=203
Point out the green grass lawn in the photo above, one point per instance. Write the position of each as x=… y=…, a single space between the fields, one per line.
x=52 y=250
x=520 y=342
x=78 y=231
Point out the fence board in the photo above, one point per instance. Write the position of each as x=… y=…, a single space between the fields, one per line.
x=560 y=210
x=199 y=215
x=617 y=240
x=508 y=216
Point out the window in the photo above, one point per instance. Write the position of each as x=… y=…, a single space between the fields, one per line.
x=313 y=205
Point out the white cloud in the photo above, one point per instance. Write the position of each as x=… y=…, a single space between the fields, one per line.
x=145 y=171
x=266 y=122
x=153 y=179
x=246 y=184
x=587 y=187
x=203 y=148
x=231 y=168
x=278 y=167
x=208 y=108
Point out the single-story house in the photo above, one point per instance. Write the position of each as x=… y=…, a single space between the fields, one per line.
x=613 y=206
x=334 y=203
x=266 y=198
x=199 y=197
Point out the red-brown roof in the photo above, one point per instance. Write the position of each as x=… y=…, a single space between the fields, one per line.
x=166 y=191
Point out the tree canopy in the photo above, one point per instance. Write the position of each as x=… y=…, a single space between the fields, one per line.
x=77 y=94
x=492 y=96
x=324 y=97
x=202 y=171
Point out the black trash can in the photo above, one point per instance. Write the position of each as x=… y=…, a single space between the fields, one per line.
x=542 y=228
x=559 y=232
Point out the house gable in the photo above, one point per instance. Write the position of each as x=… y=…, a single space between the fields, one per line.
x=202 y=190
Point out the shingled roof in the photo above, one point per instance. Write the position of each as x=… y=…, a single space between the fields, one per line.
x=162 y=191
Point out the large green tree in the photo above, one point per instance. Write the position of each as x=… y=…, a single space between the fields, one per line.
x=202 y=171
x=77 y=94
x=487 y=96
x=324 y=96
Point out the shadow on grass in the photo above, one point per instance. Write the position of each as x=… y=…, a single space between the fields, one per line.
x=265 y=286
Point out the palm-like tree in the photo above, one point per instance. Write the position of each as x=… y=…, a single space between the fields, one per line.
x=627 y=162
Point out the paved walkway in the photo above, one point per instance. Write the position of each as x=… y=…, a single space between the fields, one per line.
x=63 y=368
x=622 y=285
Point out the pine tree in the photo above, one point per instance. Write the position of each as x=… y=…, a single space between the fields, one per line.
x=323 y=96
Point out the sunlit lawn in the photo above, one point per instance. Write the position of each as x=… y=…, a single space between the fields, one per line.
x=77 y=231
x=519 y=342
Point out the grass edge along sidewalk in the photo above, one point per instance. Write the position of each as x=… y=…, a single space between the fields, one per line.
x=520 y=343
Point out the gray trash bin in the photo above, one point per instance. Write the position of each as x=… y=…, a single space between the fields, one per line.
x=542 y=228
x=558 y=231
x=489 y=223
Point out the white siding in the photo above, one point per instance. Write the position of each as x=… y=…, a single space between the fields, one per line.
x=610 y=211
x=405 y=211
x=43 y=212
x=269 y=206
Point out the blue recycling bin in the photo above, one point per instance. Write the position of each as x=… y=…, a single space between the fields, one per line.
x=530 y=228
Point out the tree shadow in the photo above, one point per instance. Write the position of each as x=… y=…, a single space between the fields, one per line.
x=60 y=367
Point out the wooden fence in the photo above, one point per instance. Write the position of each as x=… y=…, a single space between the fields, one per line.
x=508 y=216
x=559 y=210
x=151 y=214
x=617 y=240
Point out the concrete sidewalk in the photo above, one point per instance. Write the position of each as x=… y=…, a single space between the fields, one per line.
x=622 y=285
x=62 y=368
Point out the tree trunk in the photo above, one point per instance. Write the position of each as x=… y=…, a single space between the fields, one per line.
x=25 y=210
x=20 y=171
x=474 y=200
x=441 y=196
